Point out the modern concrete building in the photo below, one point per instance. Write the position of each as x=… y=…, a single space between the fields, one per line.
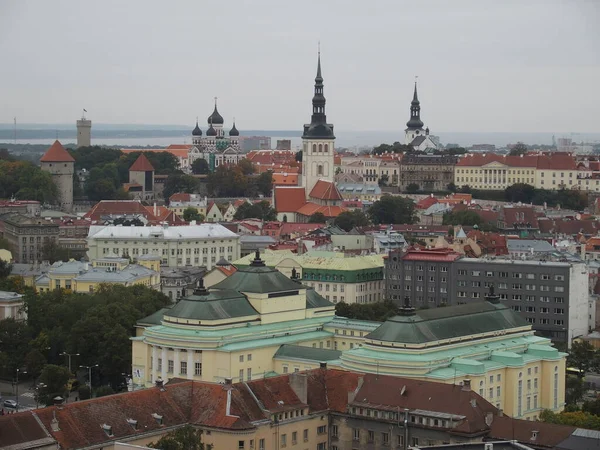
x=551 y=296
x=190 y=245
x=61 y=165
x=27 y=236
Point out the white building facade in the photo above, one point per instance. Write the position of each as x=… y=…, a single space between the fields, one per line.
x=191 y=245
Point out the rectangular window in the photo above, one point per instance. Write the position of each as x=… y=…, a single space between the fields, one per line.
x=183 y=369
x=159 y=364
x=241 y=445
x=355 y=434
x=283 y=440
x=197 y=368
x=170 y=366
x=498 y=391
x=385 y=438
x=305 y=435
x=261 y=444
x=241 y=374
x=249 y=374
x=371 y=436
x=334 y=430
x=322 y=429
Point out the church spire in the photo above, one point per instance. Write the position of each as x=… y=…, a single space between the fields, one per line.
x=415 y=122
x=318 y=127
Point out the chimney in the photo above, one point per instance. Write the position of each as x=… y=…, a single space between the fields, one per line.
x=323 y=365
x=534 y=435
x=228 y=381
x=466 y=385
x=54 y=422
x=299 y=383
x=159 y=383
x=155 y=210
x=489 y=418
x=473 y=402
x=500 y=413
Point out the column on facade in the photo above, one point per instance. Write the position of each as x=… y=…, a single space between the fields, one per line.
x=163 y=373
x=190 y=364
x=154 y=364
x=176 y=363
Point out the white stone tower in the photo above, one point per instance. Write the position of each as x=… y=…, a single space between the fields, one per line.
x=61 y=165
x=318 y=141
x=84 y=131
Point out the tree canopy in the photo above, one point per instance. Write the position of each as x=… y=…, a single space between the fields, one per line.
x=239 y=181
x=26 y=181
x=392 y=210
x=98 y=326
x=190 y=213
x=261 y=210
x=200 y=167
x=518 y=149
x=317 y=217
x=378 y=311
x=396 y=147
x=351 y=219
x=184 y=438
x=179 y=182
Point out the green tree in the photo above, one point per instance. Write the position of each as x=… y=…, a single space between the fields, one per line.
x=103 y=391
x=451 y=187
x=35 y=362
x=317 y=217
x=184 y=438
x=179 y=182
x=261 y=210
x=84 y=392
x=519 y=192
x=14 y=339
x=190 y=213
x=582 y=356
x=396 y=147
x=264 y=183
x=378 y=311
x=26 y=182
x=412 y=188
x=200 y=167
x=383 y=180
x=518 y=149
x=246 y=166
x=54 y=381
x=348 y=220
x=466 y=218
x=392 y=210
x=574 y=390
x=5 y=268
x=298 y=156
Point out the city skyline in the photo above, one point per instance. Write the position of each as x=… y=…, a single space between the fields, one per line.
x=498 y=67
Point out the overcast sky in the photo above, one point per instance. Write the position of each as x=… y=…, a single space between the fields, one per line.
x=519 y=65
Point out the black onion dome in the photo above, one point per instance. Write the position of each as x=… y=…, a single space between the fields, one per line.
x=211 y=131
x=234 y=131
x=197 y=131
x=215 y=118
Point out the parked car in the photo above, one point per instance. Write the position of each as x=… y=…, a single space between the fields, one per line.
x=10 y=403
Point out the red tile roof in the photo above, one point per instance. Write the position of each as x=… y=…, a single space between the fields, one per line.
x=433 y=254
x=180 y=197
x=426 y=202
x=57 y=153
x=289 y=199
x=178 y=152
x=116 y=208
x=325 y=190
x=289 y=228
x=229 y=270
x=568 y=227
x=311 y=208
x=548 y=434
x=285 y=179
x=141 y=165
x=555 y=161
x=19 y=429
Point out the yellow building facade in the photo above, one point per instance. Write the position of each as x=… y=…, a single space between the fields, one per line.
x=258 y=323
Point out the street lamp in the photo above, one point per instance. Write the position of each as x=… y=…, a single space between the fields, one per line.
x=17 y=383
x=89 y=369
x=69 y=355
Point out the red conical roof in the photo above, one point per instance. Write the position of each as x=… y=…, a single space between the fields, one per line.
x=57 y=153
x=141 y=165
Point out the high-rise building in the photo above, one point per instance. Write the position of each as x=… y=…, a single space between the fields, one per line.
x=61 y=165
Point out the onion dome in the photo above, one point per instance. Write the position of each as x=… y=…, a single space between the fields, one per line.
x=197 y=131
x=211 y=131
x=234 y=131
x=215 y=118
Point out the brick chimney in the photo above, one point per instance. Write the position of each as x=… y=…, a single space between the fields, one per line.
x=466 y=385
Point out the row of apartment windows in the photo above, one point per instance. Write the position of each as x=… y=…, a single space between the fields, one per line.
x=501 y=274
x=183 y=366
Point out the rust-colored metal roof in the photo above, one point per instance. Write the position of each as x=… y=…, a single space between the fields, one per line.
x=57 y=153
x=141 y=165
x=325 y=190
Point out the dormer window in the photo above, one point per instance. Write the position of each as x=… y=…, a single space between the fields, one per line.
x=158 y=418
x=133 y=423
x=108 y=430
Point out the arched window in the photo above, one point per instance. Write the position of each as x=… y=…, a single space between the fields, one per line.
x=319 y=169
x=326 y=148
x=320 y=148
x=314 y=147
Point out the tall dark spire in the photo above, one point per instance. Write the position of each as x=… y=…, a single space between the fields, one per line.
x=318 y=127
x=415 y=112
